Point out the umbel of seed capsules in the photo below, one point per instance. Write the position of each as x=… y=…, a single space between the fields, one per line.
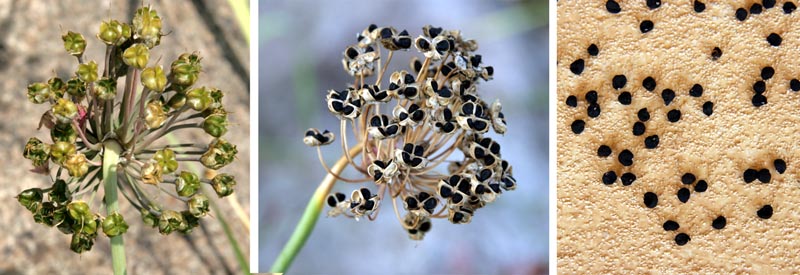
x=411 y=124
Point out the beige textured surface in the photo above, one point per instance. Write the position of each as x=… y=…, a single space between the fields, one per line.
x=607 y=229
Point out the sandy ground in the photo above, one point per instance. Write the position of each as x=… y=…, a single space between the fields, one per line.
x=31 y=50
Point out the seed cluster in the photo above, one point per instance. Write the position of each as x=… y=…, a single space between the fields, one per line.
x=623 y=170
x=409 y=126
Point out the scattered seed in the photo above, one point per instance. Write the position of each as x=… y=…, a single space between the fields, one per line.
x=701 y=186
x=576 y=67
x=646 y=26
x=719 y=222
x=624 y=98
x=593 y=50
x=603 y=151
x=774 y=39
x=638 y=128
x=759 y=100
x=572 y=101
x=750 y=175
x=619 y=81
x=625 y=157
x=627 y=178
x=667 y=95
x=696 y=90
x=613 y=7
x=765 y=212
x=674 y=115
x=609 y=177
x=643 y=114
x=688 y=178
x=708 y=108
x=683 y=194
x=649 y=83
x=591 y=97
x=653 y=4
x=741 y=14
x=593 y=110
x=716 y=53
x=682 y=239
x=577 y=126
x=767 y=72
x=651 y=142
x=764 y=176
x=671 y=225
x=780 y=166
x=650 y=199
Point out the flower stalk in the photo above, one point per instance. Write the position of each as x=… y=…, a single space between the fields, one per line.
x=111 y=150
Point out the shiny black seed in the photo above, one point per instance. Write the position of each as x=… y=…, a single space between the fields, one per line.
x=650 y=199
x=627 y=178
x=756 y=8
x=789 y=7
x=719 y=222
x=458 y=217
x=682 y=239
x=667 y=95
x=593 y=110
x=603 y=151
x=609 y=177
x=765 y=212
x=696 y=90
x=377 y=176
x=653 y=4
x=403 y=43
x=425 y=227
x=767 y=72
x=442 y=47
x=674 y=115
x=716 y=53
x=768 y=4
x=386 y=33
x=749 y=175
x=780 y=166
x=649 y=83
x=445 y=191
x=741 y=14
x=764 y=175
x=794 y=84
x=760 y=87
x=683 y=194
x=651 y=142
x=423 y=44
x=625 y=157
x=340 y=196
x=365 y=193
x=643 y=114
x=429 y=204
x=577 y=126
x=638 y=128
x=412 y=203
x=613 y=7
x=591 y=97
x=701 y=186
x=332 y=201
x=412 y=231
x=774 y=39
x=671 y=225
x=572 y=101
x=708 y=108
x=699 y=6
x=646 y=26
x=688 y=178
x=456 y=198
x=576 y=67
x=351 y=53
x=759 y=100
x=619 y=81
x=624 y=98
x=593 y=50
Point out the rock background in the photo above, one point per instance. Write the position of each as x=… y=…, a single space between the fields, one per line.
x=31 y=50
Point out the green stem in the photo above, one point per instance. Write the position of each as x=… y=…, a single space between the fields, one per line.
x=110 y=160
x=311 y=214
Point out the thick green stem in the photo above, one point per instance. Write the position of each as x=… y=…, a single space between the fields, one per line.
x=311 y=214
x=110 y=159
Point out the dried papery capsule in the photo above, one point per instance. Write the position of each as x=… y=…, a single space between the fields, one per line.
x=151 y=172
x=223 y=184
x=220 y=153
x=154 y=114
x=37 y=152
x=198 y=205
x=170 y=221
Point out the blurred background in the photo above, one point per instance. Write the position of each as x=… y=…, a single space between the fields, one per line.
x=31 y=50
x=300 y=51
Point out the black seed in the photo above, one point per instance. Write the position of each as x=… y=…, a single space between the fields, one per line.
x=759 y=100
x=760 y=87
x=683 y=194
x=613 y=7
x=682 y=238
x=696 y=90
x=591 y=97
x=789 y=7
x=577 y=126
x=609 y=177
x=699 y=6
x=625 y=157
x=708 y=108
x=643 y=114
x=756 y=8
x=619 y=81
x=603 y=151
x=572 y=101
x=651 y=142
x=332 y=201
x=794 y=84
x=646 y=26
x=764 y=175
x=674 y=115
x=765 y=212
x=701 y=186
x=412 y=203
x=716 y=53
x=768 y=4
x=667 y=95
x=638 y=128
x=576 y=67
x=688 y=178
x=780 y=166
x=624 y=98
x=774 y=39
x=671 y=225
x=650 y=199
x=649 y=83
x=593 y=110
x=425 y=227
x=653 y=4
x=750 y=175
x=767 y=72
x=593 y=50
x=719 y=222
x=741 y=14
x=627 y=178
x=430 y=204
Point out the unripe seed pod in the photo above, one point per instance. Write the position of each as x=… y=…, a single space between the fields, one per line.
x=199 y=99
x=79 y=211
x=76 y=165
x=31 y=198
x=136 y=56
x=170 y=221
x=105 y=89
x=154 y=79
x=57 y=87
x=64 y=132
x=76 y=88
x=65 y=110
x=87 y=72
x=148 y=218
x=223 y=184
x=154 y=114
x=198 y=205
x=60 y=150
x=114 y=225
x=37 y=152
x=216 y=125
x=166 y=159
x=39 y=93
x=74 y=43
x=114 y=33
x=147 y=26
x=186 y=69
x=187 y=184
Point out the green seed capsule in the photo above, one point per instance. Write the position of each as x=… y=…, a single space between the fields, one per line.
x=166 y=158
x=57 y=87
x=60 y=150
x=31 y=199
x=39 y=93
x=74 y=43
x=219 y=154
x=177 y=101
x=60 y=193
x=148 y=218
x=170 y=221
x=87 y=72
x=216 y=125
x=136 y=56
x=114 y=33
x=44 y=215
x=147 y=26
x=223 y=184
x=37 y=152
x=198 y=205
x=105 y=89
x=154 y=79
x=76 y=165
x=76 y=88
x=199 y=99
x=191 y=222
x=64 y=132
x=79 y=211
x=114 y=225
x=187 y=184
x=81 y=242
x=65 y=110
x=186 y=69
